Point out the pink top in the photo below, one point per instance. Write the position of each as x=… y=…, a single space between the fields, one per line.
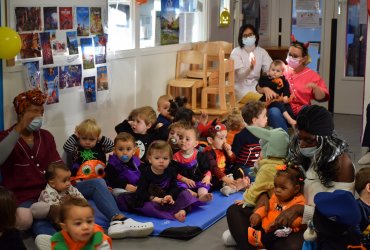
x=298 y=82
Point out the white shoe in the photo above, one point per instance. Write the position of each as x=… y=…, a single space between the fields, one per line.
x=129 y=228
x=42 y=241
x=365 y=159
x=228 y=239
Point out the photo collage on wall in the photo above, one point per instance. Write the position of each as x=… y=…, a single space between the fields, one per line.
x=52 y=60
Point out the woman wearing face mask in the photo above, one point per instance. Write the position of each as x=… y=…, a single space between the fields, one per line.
x=305 y=84
x=328 y=167
x=249 y=60
x=26 y=151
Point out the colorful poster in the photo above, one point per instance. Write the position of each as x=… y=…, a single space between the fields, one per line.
x=100 y=43
x=72 y=42
x=169 y=22
x=102 y=78
x=30 y=46
x=83 y=25
x=70 y=76
x=89 y=89
x=65 y=18
x=51 y=82
x=28 y=19
x=32 y=75
x=50 y=18
x=87 y=49
x=58 y=43
x=47 y=55
x=96 y=26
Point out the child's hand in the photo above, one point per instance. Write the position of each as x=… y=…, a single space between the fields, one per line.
x=227 y=148
x=228 y=181
x=189 y=182
x=168 y=200
x=285 y=99
x=206 y=180
x=239 y=202
x=255 y=220
x=203 y=119
x=131 y=188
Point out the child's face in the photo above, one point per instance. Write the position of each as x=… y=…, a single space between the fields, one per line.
x=219 y=140
x=163 y=109
x=174 y=135
x=284 y=189
x=159 y=159
x=79 y=223
x=88 y=141
x=276 y=71
x=261 y=120
x=61 y=181
x=139 y=126
x=188 y=140
x=125 y=149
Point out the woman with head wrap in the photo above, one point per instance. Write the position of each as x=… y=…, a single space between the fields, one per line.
x=328 y=167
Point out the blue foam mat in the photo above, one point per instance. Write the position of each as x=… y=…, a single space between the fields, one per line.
x=197 y=220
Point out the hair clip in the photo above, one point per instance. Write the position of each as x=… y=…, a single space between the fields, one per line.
x=281 y=167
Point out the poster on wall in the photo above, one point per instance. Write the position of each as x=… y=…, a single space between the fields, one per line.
x=70 y=76
x=65 y=18
x=50 y=18
x=100 y=43
x=83 y=21
x=89 y=89
x=102 y=78
x=72 y=42
x=28 y=19
x=30 y=46
x=58 y=42
x=32 y=75
x=169 y=22
x=47 y=55
x=51 y=83
x=308 y=20
x=87 y=49
x=96 y=26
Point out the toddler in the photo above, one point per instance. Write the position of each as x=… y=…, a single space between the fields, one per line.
x=362 y=186
x=234 y=123
x=158 y=194
x=163 y=107
x=174 y=135
x=122 y=171
x=87 y=149
x=79 y=230
x=277 y=82
x=194 y=173
x=288 y=185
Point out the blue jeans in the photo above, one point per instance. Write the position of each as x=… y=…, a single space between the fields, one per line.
x=276 y=119
x=97 y=190
x=39 y=226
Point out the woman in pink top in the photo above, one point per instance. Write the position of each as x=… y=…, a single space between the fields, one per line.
x=305 y=84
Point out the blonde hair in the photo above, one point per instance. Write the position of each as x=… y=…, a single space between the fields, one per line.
x=88 y=127
x=146 y=113
x=160 y=146
x=179 y=124
x=163 y=98
x=234 y=120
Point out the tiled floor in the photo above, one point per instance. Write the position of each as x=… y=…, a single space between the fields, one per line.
x=348 y=127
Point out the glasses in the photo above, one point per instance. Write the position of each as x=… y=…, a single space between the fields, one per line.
x=248 y=35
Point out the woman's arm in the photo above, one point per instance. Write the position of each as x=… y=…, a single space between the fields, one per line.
x=7 y=145
x=346 y=171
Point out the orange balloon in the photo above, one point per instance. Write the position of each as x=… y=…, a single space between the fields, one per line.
x=10 y=43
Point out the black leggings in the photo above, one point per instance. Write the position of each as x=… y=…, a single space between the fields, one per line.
x=238 y=221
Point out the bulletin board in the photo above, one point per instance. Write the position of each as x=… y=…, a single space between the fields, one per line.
x=63 y=45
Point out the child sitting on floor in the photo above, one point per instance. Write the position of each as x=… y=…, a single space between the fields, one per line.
x=362 y=186
x=122 y=171
x=219 y=156
x=158 y=194
x=288 y=187
x=174 y=135
x=194 y=173
x=87 y=149
x=163 y=107
x=234 y=123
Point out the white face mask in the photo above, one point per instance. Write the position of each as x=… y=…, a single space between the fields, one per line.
x=35 y=124
x=249 y=41
x=308 y=152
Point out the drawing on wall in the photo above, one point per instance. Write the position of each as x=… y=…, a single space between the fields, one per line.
x=47 y=55
x=65 y=18
x=50 y=18
x=87 y=49
x=28 y=19
x=96 y=26
x=70 y=76
x=30 y=45
x=51 y=83
x=83 y=24
x=100 y=43
x=32 y=75
x=89 y=89
x=58 y=42
x=72 y=42
x=169 y=22
x=102 y=78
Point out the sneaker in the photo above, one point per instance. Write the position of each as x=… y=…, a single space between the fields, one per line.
x=42 y=241
x=129 y=228
x=254 y=237
x=228 y=239
x=365 y=159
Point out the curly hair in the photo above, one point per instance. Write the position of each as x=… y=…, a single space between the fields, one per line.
x=252 y=110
